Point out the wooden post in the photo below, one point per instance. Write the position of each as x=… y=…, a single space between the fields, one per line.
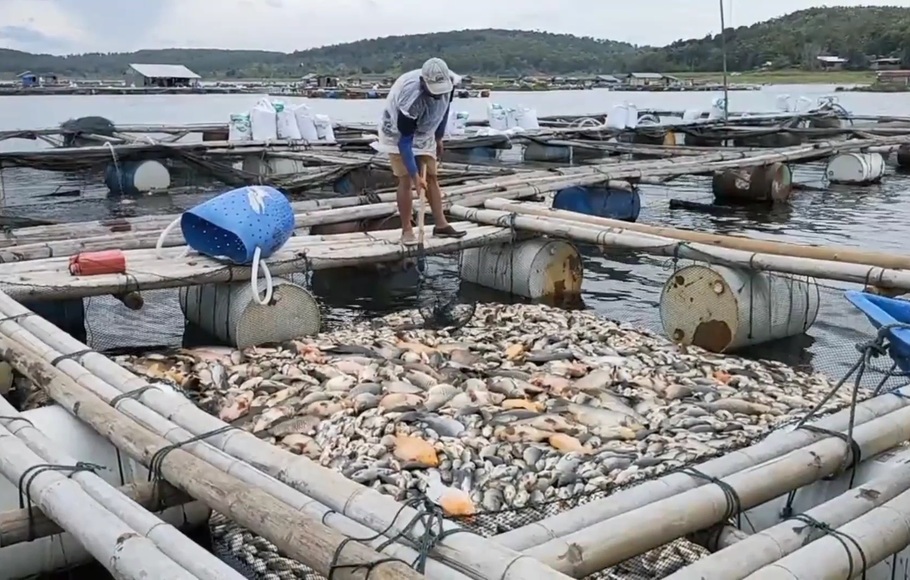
x=300 y=537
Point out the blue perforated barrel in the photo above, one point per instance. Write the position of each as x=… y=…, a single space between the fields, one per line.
x=607 y=202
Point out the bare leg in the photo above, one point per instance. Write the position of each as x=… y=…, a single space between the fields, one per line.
x=405 y=205
x=434 y=196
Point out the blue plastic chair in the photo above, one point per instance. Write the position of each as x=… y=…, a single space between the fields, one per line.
x=243 y=226
x=881 y=312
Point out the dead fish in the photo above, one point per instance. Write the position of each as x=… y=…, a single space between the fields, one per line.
x=304 y=425
x=444 y=426
x=512 y=416
x=540 y=357
x=355 y=349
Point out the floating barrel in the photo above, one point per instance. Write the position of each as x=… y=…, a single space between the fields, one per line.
x=903 y=156
x=825 y=123
x=472 y=154
x=72 y=437
x=761 y=184
x=231 y=313
x=68 y=315
x=134 y=177
x=771 y=140
x=535 y=151
x=608 y=202
x=722 y=309
x=855 y=168
x=538 y=269
x=361 y=179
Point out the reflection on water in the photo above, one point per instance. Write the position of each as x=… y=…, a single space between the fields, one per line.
x=619 y=285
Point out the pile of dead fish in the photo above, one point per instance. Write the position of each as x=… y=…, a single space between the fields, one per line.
x=523 y=406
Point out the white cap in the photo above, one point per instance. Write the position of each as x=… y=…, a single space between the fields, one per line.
x=435 y=73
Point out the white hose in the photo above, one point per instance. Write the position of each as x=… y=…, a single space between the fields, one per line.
x=159 y=246
x=259 y=263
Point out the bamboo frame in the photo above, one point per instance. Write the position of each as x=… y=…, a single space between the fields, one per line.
x=183 y=551
x=465 y=552
x=120 y=549
x=612 y=541
x=300 y=536
x=749 y=555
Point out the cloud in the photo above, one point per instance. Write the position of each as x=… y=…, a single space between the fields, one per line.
x=38 y=26
x=287 y=25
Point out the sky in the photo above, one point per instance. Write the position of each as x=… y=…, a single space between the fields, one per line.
x=75 y=26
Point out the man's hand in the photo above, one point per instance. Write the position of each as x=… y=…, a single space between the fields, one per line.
x=440 y=149
x=419 y=182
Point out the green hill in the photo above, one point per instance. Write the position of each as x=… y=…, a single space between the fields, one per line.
x=790 y=41
x=795 y=40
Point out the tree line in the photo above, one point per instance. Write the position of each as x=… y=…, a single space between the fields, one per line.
x=792 y=41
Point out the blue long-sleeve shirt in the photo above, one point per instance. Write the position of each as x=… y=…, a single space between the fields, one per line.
x=407 y=127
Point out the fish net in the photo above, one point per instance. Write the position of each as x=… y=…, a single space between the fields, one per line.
x=621 y=286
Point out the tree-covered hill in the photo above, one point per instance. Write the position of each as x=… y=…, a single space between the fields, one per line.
x=796 y=39
x=790 y=41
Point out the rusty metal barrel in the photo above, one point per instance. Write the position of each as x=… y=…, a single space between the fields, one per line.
x=771 y=183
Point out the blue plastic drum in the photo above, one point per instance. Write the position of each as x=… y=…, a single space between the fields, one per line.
x=606 y=202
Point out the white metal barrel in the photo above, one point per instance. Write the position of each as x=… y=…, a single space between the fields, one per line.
x=722 y=309
x=133 y=177
x=231 y=313
x=76 y=439
x=855 y=168
x=536 y=268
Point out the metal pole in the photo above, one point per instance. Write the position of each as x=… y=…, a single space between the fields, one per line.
x=723 y=48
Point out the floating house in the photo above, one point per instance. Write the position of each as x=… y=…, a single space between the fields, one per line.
x=893 y=77
x=828 y=62
x=30 y=79
x=163 y=75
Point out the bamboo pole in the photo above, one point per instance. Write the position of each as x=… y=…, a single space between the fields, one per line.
x=166 y=537
x=880 y=533
x=299 y=536
x=744 y=557
x=117 y=547
x=573 y=230
x=730 y=242
x=162 y=426
x=614 y=540
x=466 y=552
x=775 y=445
x=706 y=163
x=15 y=528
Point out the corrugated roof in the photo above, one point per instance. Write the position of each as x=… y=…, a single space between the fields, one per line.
x=647 y=75
x=166 y=71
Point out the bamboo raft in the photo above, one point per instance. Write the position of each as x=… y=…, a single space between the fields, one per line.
x=310 y=512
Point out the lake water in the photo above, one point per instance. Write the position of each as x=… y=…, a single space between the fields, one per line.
x=626 y=288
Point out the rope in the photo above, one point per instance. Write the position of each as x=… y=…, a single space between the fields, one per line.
x=429 y=515
x=28 y=477
x=842 y=539
x=868 y=350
